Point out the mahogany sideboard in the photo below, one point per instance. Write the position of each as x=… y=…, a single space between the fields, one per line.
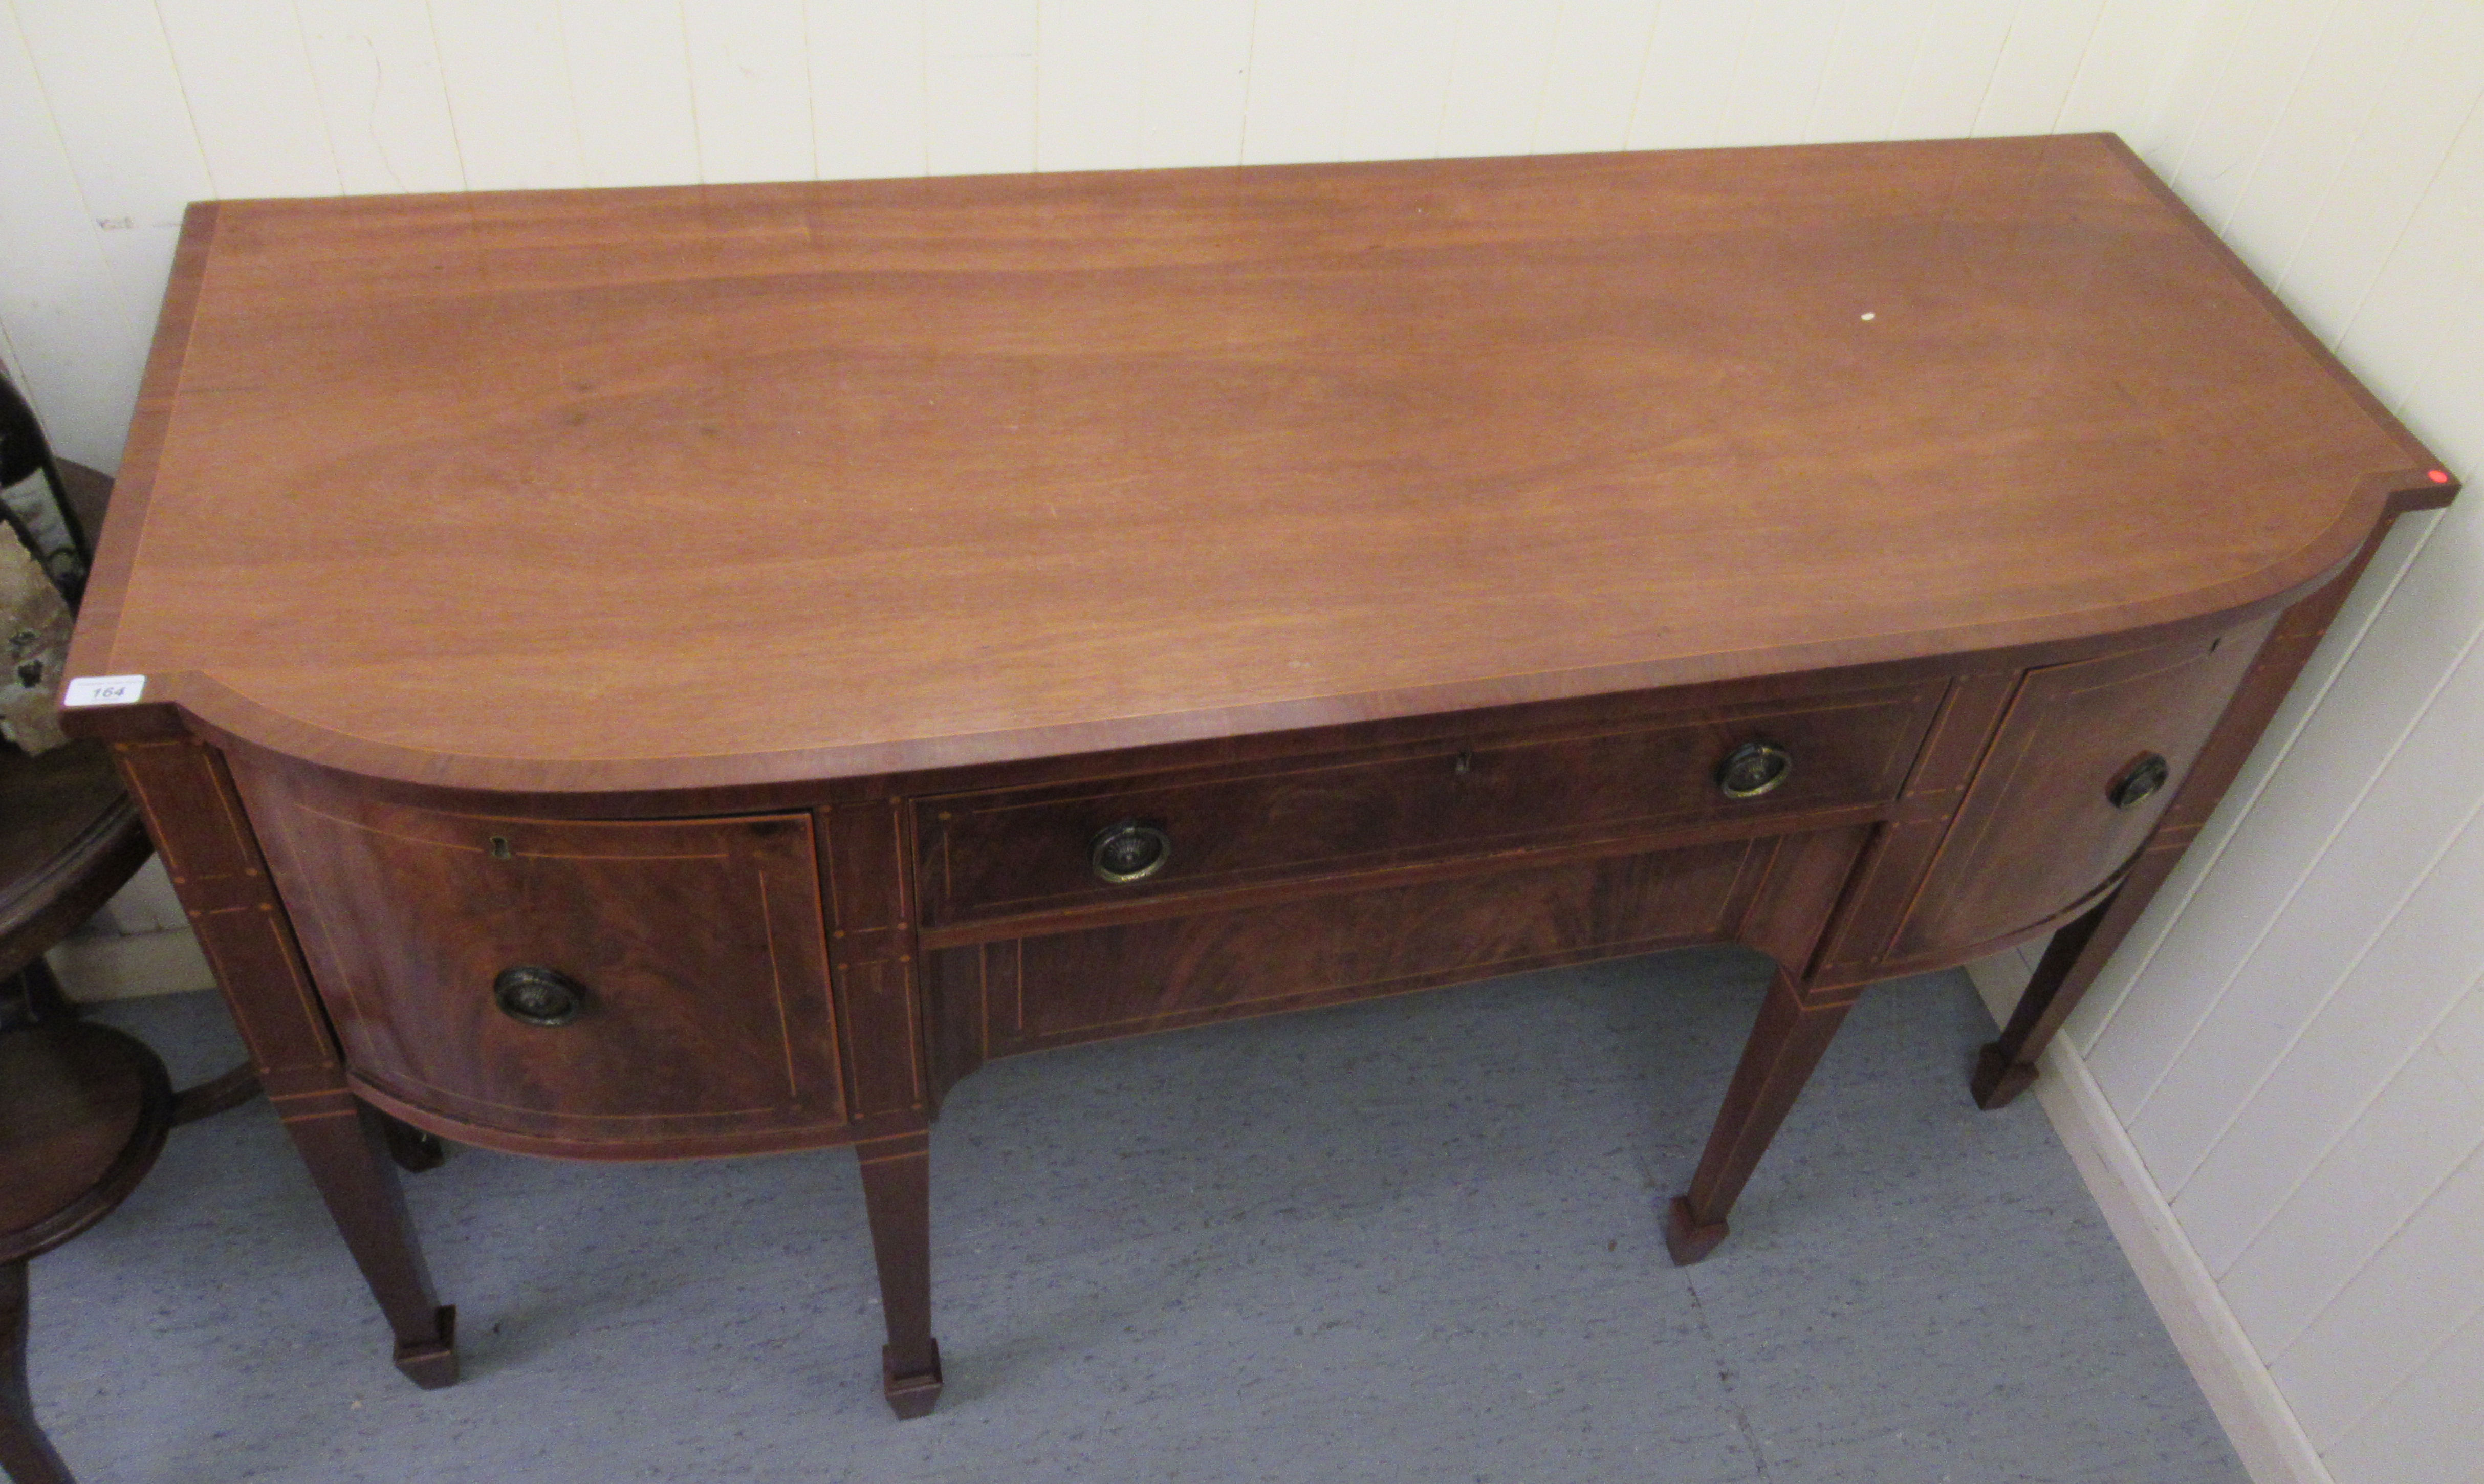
x=648 y=673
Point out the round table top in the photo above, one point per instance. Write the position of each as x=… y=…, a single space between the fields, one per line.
x=62 y=817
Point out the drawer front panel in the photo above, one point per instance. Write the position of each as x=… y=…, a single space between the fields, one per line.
x=698 y=944
x=1027 y=851
x=1050 y=991
x=2039 y=830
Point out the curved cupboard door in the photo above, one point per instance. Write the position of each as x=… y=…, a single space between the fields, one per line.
x=2085 y=760
x=613 y=988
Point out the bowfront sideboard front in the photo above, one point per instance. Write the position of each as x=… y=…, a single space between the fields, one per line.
x=650 y=673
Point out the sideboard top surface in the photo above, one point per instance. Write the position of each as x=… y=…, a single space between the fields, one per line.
x=681 y=486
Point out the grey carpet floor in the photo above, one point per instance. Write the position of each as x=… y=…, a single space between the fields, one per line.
x=1417 y=1240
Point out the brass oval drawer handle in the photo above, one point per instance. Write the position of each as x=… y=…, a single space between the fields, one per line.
x=538 y=996
x=2137 y=781
x=1753 y=769
x=1132 y=851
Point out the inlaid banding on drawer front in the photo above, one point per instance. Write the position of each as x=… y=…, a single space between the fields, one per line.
x=605 y=982
x=1064 y=988
x=1011 y=853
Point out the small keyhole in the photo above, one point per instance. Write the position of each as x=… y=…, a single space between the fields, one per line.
x=500 y=848
x=1464 y=764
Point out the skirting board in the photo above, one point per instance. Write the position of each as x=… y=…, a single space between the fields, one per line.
x=2262 y=1427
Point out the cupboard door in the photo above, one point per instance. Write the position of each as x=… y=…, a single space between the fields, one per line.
x=598 y=983
x=2083 y=764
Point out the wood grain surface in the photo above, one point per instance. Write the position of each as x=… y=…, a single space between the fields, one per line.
x=2037 y=829
x=1182 y=971
x=707 y=486
x=697 y=946
x=1020 y=851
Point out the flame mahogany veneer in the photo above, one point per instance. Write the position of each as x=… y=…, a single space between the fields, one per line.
x=744 y=608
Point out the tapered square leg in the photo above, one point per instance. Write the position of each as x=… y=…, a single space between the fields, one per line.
x=1785 y=1045
x=432 y=1364
x=897 y=1192
x=910 y=1393
x=1688 y=1238
x=1998 y=1078
x=2005 y=1067
x=345 y=1145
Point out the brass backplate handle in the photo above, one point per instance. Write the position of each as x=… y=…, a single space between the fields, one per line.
x=1753 y=769
x=2143 y=777
x=534 y=995
x=1132 y=851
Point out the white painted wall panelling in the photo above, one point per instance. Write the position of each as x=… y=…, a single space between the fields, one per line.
x=2408 y=142
x=1865 y=79
x=112 y=108
x=2041 y=57
x=375 y=64
x=1397 y=82
x=1123 y=84
x=1591 y=79
x=1954 y=69
x=980 y=85
x=2410 y=966
x=245 y=73
x=1770 y=93
x=750 y=75
x=1692 y=57
x=2419 y=1433
x=2128 y=70
x=2332 y=916
x=1091 y=84
x=1294 y=108
x=630 y=80
x=868 y=102
x=72 y=337
x=1498 y=70
x=2296 y=1035
x=1197 y=71
x=507 y=76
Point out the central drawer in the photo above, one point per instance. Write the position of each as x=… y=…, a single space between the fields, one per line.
x=1024 y=850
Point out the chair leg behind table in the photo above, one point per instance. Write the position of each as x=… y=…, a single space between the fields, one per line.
x=24 y=1451
x=897 y=1192
x=345 y=1145
x=1785 y=1045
